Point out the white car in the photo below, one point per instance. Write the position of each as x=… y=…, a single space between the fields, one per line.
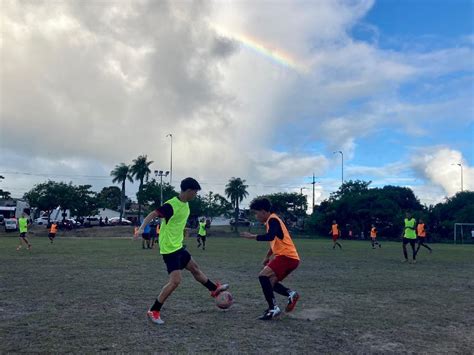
x=115 y=221
x=42 y=220
x=11 y=224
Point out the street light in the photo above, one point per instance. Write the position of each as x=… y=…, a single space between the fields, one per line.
x=171 y=157
x=301 y=189
x=160 y=173
x=342 y=165
x=462 y=187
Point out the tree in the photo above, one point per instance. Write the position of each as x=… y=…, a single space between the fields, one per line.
x=86 y=201
x=236 y=190
x=140 y=171
x=120 y=175
x=288 y=204
x=80 y=200
x=216 y=205
x=110 y=197
x=355 y=206
x=5 y=195
x=151 y=193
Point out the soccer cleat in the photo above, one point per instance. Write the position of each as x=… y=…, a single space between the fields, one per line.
x=292 y=299
x=413 y=262
x=154 y=316
x=404 y=260
x=219 y=289
x=270 y=313
x=18 y=247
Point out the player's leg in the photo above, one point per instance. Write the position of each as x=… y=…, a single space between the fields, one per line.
x=405 y=253
x=282 y=267
x=373 y=243
x=199 y=241
x=413 y=244
x=268 y=278
x=173 y=283
x=199 y=276
x=425 y=245
x=203 y=242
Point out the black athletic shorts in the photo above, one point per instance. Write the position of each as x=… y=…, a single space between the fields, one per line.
x=23 y=235
x=408 y=240
x=51 y=235
x=203 y=237
x=146 y=236
x=177 y=260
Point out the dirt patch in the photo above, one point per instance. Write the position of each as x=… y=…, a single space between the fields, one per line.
x=314 y=313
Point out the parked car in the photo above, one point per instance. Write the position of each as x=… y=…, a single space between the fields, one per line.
x=91 y=221
x=240 y=222
x=42 y=220
x=11 y=224
x=116 y=220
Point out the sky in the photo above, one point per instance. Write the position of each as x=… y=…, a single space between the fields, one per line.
x=266 y=91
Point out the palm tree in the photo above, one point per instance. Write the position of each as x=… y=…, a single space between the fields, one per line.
x=236 y=190
x=140 y=171
x=120 y=174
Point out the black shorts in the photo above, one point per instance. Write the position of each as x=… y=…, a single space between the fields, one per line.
x=177 y=260
x=203 y=237
x=146 y=236
x=408 y=240
x=52 y=235
x=23 y=235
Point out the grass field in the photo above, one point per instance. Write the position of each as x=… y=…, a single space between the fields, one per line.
x=90 y=295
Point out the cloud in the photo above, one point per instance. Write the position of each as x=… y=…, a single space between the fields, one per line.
x=438 y=165
x=87 y=85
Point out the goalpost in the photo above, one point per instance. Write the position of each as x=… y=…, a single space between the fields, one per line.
x=463 y=233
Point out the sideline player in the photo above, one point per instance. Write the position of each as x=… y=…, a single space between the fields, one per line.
x=336 y=233
x=409 y=236
x=174 y=214
x=285 y=258
x=373 y=237
x=23 y=223
x=52 y=232
x=421 y=233
x=202 y=234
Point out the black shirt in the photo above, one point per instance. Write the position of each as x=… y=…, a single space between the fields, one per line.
x=274 y=230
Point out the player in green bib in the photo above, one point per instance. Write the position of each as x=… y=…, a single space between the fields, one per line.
x=23 y=223
x=409 y=236
x=174 y=215
x=202 y=234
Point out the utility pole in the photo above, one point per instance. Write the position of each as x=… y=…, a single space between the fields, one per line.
x=313 y=183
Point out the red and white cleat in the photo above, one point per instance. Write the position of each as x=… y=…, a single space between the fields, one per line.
x=154 y=316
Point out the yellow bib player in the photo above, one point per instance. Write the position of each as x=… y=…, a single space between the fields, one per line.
x=174 y=215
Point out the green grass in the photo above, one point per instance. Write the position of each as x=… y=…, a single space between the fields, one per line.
x=90 y=295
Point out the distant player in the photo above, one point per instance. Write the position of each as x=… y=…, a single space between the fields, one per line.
x=146 y=237
x=336 y=233
x=174 y=214
x=202 y=234
x=281 y=259
x=373 y=237
x=23 y=223
x=157 y=236
x=52 y=232
x=409 y=236
x=421 y=233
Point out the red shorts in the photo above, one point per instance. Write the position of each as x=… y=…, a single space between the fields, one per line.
x=282 y=266
x=335 y=237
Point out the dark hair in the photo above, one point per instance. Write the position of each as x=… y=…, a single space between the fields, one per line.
x=190 y=184
x=260 y=204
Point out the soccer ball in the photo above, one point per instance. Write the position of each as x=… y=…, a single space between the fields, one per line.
x=224 y=300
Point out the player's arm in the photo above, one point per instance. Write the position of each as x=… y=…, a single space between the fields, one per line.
x=147 y=220
x=165 y=211
x=274 y=230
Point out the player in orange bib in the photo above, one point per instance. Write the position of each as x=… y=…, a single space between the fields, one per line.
x=52 y=231
x=281 y=259
x=336 y=233
x=421 y=234
x=373 y=237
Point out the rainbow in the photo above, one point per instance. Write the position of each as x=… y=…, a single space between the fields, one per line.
x=276 y=56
